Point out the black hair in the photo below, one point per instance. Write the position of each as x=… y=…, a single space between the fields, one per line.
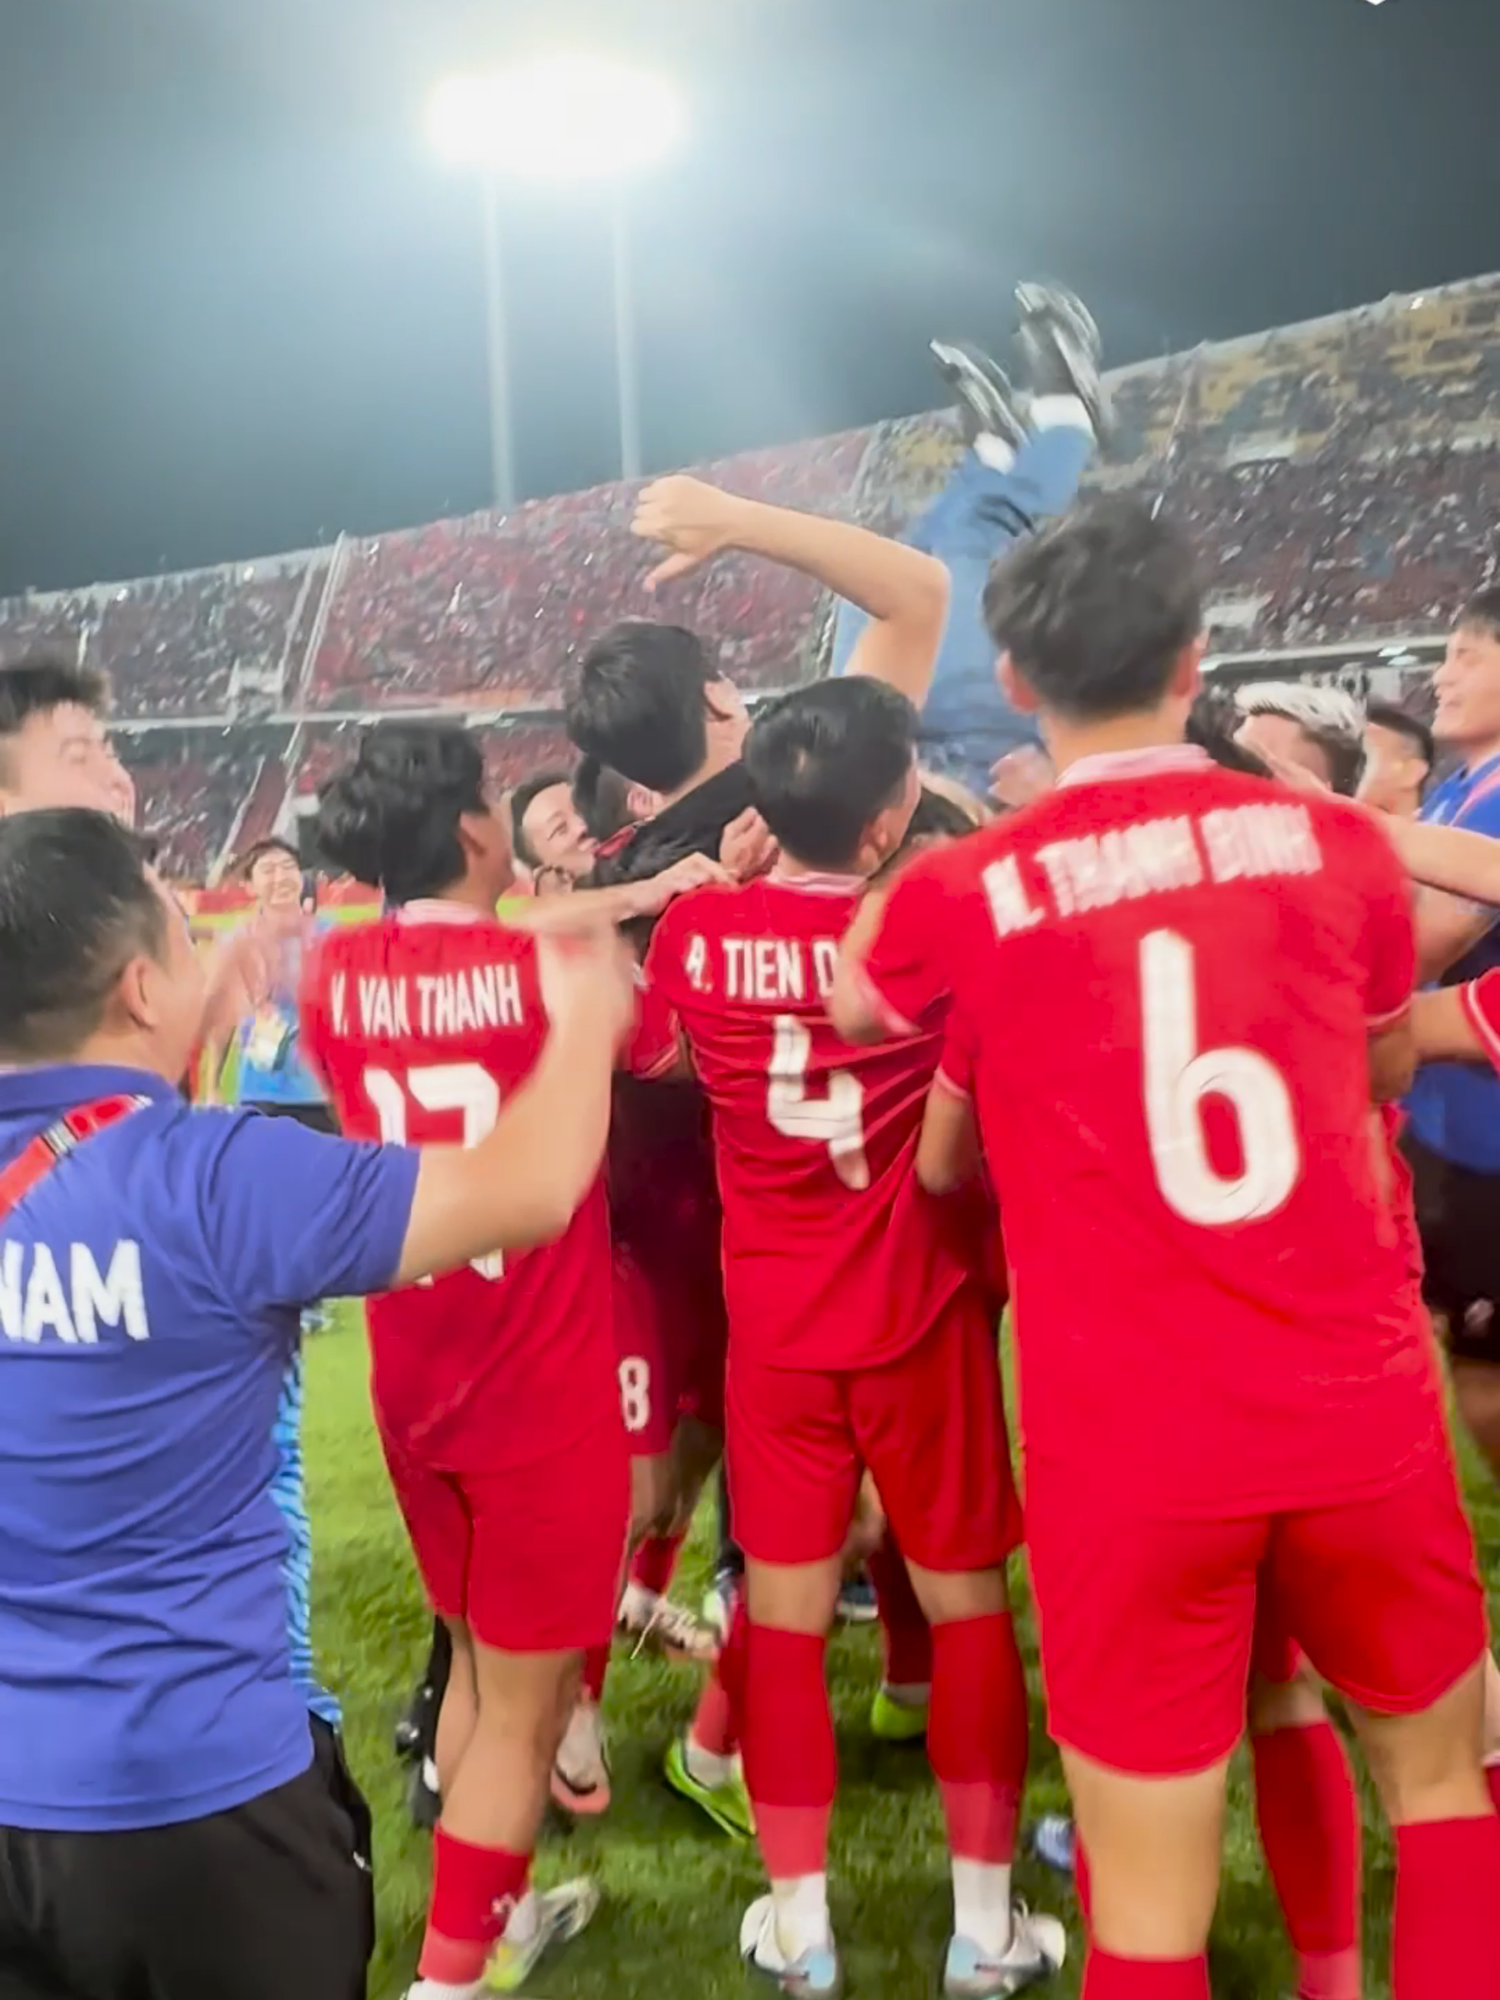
x=639 y=703
x=1095 y=611
x=1401 y=722
x=520 y=799
x=602 y=799
x=42 y=682
x=76 y=905
x=1483 y=610
x=938 y=817
x=272 y=844
x=824 y=760
x=1212 y=721
x=390 y=818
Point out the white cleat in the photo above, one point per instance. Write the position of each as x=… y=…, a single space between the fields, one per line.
x=815 y=1974
x=1038 y=1948
x=543 y=1918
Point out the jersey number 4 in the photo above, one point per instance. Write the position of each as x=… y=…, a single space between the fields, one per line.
x=835 y=1121
x=1179 y=1076
x=462 y=1087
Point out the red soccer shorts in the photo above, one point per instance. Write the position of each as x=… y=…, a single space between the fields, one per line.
x=648 y=1392
x=929 y=1427
x=529 y=1555
x=1147 y=1627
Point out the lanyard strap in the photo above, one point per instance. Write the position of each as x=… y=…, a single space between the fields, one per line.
x=38 y=1159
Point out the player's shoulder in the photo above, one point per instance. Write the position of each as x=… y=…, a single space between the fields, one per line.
x=712 y=906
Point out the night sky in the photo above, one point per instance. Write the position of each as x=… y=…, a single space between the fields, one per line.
x=241 y=305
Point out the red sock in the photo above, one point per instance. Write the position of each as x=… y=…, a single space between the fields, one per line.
x=1107 y=1978
x=903 y=1623
x=977 y=1735
x=474 y=1890
x=654 y=1562
x=1445 y=1938
x=1492 y=1779
x=791 y=1765
x=1310 y=1831
x=715 y=1727
x=595 y=1667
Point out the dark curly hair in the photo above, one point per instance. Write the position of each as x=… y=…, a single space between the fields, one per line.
x=390 y=818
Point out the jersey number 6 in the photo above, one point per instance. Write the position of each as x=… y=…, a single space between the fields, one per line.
x=1179 y=1076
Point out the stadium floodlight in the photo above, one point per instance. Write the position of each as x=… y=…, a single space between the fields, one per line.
x=570 y=119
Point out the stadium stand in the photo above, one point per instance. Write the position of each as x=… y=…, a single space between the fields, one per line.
x=1340 y=478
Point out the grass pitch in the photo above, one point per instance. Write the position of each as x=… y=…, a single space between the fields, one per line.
x=673 y=1887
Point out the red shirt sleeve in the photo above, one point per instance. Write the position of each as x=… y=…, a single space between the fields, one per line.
x=907 y=970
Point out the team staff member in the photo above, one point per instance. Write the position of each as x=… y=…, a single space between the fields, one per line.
x=253 y=994
x=1452 y=1136
x=163 y=1825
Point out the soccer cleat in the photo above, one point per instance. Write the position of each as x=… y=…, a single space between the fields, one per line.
x=986 y=401
x=658 y=1625
x=1038 y=1948
x=580 y=1771
x=857 y=1604
x=422 y=1798
x=727 y=1805
x=1059 y=343
x=893 y=1721
x=558 y=1916
x=719 y=1601
x=815 y=1974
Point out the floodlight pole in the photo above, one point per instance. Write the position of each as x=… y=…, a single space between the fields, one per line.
x=502 y=447
x=626 y=385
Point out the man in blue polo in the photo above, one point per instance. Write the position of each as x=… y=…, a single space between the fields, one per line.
x=1453 y=1114
x=168 y=1824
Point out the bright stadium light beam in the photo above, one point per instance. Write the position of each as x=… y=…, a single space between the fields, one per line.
x=570 y=119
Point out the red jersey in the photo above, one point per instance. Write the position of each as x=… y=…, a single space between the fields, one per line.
x=834 y=1258
x=420 y=1025
x=1161 y=980
x=1480 y=1000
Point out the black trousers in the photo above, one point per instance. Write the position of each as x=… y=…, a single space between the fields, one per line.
x=272 y=1900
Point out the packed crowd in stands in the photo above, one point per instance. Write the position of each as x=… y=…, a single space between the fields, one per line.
x=1339 y=478
x=196 y=781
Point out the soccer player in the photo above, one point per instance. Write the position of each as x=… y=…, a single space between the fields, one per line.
x=494 y=1389
x=858 y=1339
x=1399 y=756
x=651 y=704
x=553 y=846
x=170 y=1822
x=1171 y=994
x=54 y=746
x=1319 y=729
x=1026 y=454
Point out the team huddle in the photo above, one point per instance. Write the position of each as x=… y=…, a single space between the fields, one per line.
x=734 y=1141
x=1156 y=1023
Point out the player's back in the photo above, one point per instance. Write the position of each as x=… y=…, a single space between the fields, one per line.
x=1165 y=978
x=833 y=1257
x=422 y=1025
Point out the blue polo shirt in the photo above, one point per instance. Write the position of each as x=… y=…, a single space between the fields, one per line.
x=1454 y=1108
x=150 y=1288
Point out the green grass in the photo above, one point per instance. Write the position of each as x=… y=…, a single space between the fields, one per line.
x=674 y=1888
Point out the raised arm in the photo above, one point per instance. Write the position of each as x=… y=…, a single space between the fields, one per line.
x=904 y=592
